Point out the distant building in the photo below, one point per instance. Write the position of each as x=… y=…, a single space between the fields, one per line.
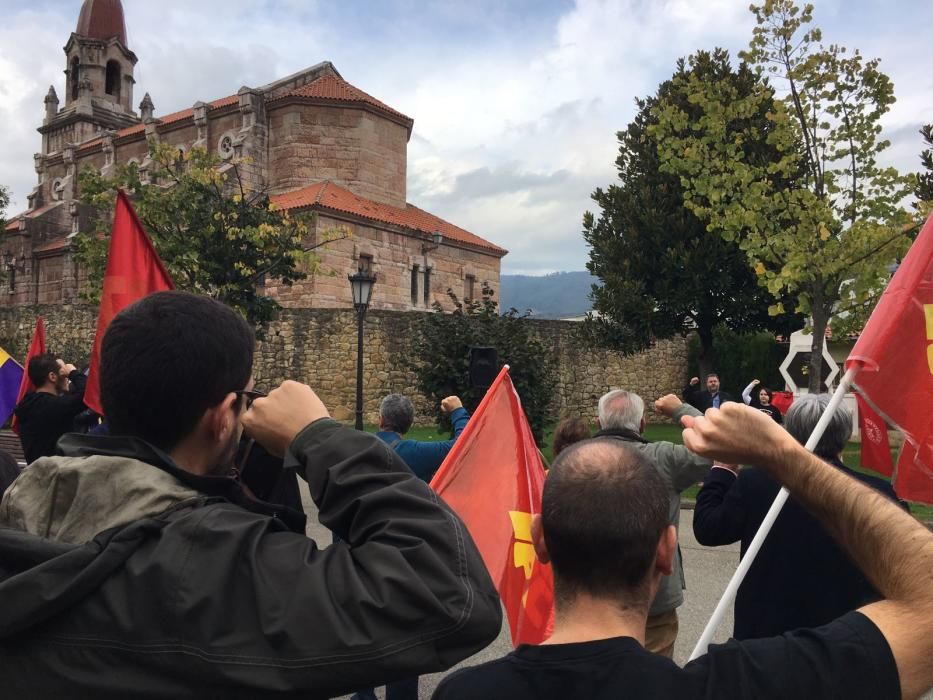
x=312 y=140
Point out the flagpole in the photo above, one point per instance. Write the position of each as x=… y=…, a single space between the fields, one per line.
x=729 y=595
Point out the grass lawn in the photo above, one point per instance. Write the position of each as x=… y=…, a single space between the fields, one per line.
x=671 y=433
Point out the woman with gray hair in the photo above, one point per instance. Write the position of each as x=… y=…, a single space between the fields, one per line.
x=801 y=577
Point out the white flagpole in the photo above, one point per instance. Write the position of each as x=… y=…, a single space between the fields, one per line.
x=729 y=595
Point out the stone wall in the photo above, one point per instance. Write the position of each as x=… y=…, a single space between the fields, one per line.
x=318 y=346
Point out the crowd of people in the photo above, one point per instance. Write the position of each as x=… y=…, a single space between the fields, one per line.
x=164 y=553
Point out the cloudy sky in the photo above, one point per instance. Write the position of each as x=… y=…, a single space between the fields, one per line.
x=516 y=103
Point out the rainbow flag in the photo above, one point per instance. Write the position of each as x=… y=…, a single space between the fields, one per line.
x=11 y=375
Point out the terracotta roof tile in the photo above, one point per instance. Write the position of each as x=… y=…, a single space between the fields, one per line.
x=13 y=223
x=55 y=244
x=330 y=87
x=167 y=119
x=327 y=195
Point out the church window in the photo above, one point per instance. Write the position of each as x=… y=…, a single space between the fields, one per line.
x=427 y=286
x=58 y=190
x=112 y=81
x=73 y=77
x=225 y=146
x=469 y=284
x=414 y=285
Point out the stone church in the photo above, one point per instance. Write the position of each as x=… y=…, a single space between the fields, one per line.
x=312 y=140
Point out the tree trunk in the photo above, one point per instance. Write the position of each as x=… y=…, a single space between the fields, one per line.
x=820 y=319
x=707 y=357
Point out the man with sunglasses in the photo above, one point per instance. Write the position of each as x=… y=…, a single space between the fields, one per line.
x=135 y=565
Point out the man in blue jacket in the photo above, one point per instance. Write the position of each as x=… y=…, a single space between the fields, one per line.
x=396 y=414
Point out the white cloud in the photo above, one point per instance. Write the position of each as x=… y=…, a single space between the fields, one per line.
x=515 y=110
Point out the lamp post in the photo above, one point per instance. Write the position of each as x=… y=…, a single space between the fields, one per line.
x=362 y=286
x=436 y=239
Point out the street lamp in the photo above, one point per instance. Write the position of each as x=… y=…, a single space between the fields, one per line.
x=436 y=239
x=361 y=285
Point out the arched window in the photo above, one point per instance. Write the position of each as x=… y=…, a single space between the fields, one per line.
x=112 y=81
x=73 y=77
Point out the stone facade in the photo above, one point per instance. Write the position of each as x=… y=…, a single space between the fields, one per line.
x=288 y=136
x=318 y=347
x=399 y=260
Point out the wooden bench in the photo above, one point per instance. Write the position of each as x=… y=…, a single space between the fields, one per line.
x=9 y=442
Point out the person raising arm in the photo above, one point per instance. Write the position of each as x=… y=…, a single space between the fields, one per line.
x=890 y=547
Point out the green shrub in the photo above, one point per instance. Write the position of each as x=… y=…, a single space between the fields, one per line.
x=441 y=359
x=742 y=357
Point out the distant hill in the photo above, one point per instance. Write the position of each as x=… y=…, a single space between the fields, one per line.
x=557 y=295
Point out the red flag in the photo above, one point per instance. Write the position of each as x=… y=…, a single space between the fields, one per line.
x=36 y=348
x=134 y=270
x=782 y=400
x=493 y=479
x=894 y=356
x=876 y=450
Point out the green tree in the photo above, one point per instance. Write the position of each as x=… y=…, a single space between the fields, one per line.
x=4 y=203
x=924 y=191
x=662 y=274
x=215 y=236
x=441 y=357
x=829 y=237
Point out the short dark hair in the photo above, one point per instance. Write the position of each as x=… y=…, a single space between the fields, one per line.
x=603 y=512
x=40 y=366
x=397 y=413
x=168 y=358
x=569 y=431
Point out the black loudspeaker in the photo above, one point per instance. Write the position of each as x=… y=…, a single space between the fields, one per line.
x=484 y=366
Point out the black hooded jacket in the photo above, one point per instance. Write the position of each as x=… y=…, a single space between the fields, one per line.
x=184 y=587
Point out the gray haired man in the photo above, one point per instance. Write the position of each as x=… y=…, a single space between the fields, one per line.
x=801 y=577
x=622 y=416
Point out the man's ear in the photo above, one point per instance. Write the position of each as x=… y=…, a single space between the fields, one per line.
x=222 y=419
x=667 y=545
x=537 y=539
x=641 y=426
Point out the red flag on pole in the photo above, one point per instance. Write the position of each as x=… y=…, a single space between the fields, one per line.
x=894 y=356
x=36 y=348
x=493 y=479
x=134 y=270
x=876 y=450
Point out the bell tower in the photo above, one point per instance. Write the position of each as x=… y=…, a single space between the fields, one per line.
x=98 y=79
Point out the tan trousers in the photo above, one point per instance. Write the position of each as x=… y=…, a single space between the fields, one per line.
x=661 y=632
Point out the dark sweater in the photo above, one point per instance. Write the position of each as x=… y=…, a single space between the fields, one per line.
x=44 y=418
x=801 y=577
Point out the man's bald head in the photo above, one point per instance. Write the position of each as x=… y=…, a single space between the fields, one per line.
x=603 y=512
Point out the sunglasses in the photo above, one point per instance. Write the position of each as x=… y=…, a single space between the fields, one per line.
x=251 y=395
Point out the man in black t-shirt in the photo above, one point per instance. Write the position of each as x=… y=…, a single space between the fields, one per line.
x=601 y=497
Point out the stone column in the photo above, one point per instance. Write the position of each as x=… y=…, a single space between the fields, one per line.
x=250 y=143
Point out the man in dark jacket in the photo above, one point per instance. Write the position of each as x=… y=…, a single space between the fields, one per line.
x=711 y=397
x=801 y=577
x=136 y=566
x=47 y=413
x=396 y=415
